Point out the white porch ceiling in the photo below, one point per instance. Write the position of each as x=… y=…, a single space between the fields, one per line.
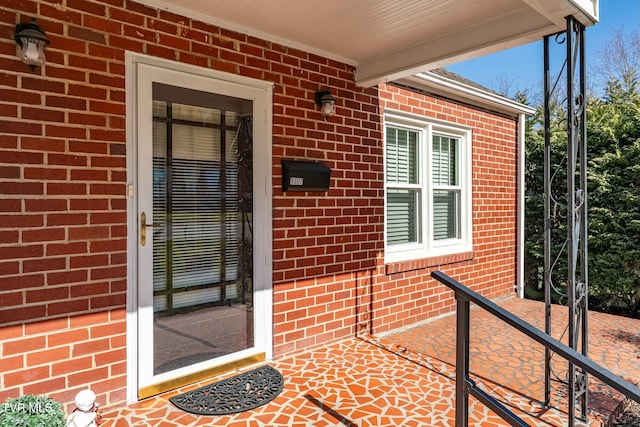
x=390 y=39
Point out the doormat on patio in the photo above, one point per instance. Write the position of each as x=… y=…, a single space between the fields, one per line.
x=232 y=395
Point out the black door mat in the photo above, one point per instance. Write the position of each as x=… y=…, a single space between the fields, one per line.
x=236 y=394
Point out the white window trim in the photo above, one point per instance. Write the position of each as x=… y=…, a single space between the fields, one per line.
x=426 y=246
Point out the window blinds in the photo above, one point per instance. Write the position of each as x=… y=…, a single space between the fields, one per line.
x=446 y=191
x=404 y=191
x=195 y=186
x=402 y=198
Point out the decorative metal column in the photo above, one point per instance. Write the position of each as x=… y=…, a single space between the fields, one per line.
x=565 y=180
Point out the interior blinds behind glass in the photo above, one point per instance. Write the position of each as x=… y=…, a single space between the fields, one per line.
x=446 y=193
x=402 y=198
x=195 y=206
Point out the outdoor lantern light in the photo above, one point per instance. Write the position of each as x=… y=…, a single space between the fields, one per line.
x=326 y=102
x=31 y=39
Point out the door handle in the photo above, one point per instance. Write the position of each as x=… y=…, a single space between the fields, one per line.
x=143 y=228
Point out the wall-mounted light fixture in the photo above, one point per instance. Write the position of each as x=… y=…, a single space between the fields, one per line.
x=31 y=39
x=326 y=102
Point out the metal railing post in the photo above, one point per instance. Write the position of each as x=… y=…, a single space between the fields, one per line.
x=462 y=361
x=465 y=385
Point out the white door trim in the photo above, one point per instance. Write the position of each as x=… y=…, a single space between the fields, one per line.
x=262 y=198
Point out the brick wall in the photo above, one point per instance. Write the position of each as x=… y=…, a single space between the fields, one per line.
x=63 y=195
x=403 y=293
x=330 y=278
x=60 y=357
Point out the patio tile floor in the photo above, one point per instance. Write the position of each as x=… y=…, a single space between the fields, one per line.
x=407 y=378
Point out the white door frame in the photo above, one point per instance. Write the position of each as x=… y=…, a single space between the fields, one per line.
x=141 y=70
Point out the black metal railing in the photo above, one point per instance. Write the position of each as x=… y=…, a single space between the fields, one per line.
x=465 y=386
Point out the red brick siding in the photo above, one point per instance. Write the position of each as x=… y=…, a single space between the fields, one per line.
x=404 y=292
x=63 y=195
x=62 y=356
x=315 y=303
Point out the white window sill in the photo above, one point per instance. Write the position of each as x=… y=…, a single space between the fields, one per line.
x=429 y=262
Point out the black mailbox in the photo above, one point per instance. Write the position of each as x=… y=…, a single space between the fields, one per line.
x=302 y=175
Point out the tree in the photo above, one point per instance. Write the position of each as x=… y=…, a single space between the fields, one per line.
x=534 y=201
x=613 y=138
x=617 y=59
x=614 y=194
x=534 y=205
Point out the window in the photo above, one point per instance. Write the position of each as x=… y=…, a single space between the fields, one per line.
x=198 y=253
x=428 y=188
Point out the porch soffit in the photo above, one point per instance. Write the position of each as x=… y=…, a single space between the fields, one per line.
x=390 y=39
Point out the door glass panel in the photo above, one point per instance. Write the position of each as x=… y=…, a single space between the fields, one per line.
x=202 y=231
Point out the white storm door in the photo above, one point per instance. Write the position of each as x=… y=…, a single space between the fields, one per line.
x=203 y=170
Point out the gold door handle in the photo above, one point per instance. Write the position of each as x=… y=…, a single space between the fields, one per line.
x=143 y=228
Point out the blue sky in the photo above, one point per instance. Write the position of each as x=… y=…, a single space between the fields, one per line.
x=523 y=66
